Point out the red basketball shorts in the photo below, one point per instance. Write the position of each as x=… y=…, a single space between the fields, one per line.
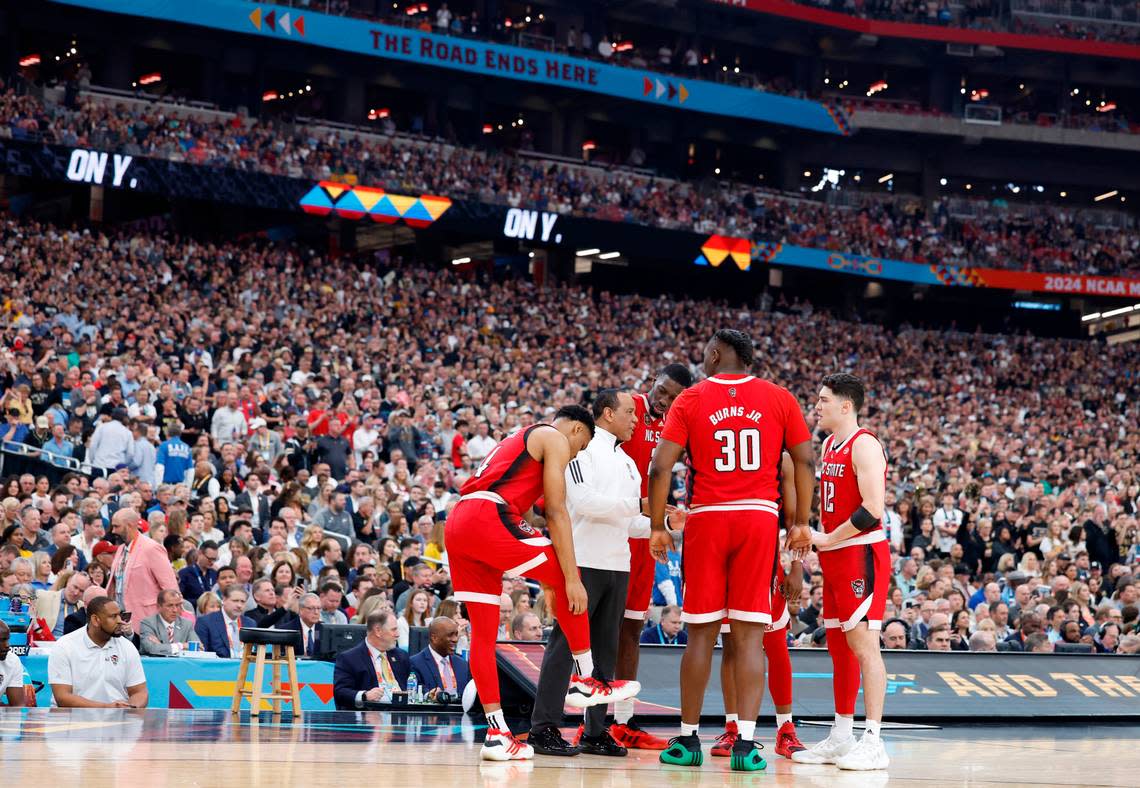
x=486 y=540
x=855 y=583
x=640 y=587
x=780 y=615
x=728 y=561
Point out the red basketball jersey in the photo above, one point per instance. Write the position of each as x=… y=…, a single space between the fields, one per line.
x=839 y=494
x=646 y=436
x=510 y=472
x=735 y=428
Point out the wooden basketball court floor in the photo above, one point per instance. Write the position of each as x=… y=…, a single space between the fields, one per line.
x=94 y=747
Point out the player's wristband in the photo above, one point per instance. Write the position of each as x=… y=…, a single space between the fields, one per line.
x=864 y=520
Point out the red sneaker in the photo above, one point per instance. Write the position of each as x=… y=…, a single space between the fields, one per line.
x=723 y=746
x=577 y=737
x=634 y=738
x=787 y=741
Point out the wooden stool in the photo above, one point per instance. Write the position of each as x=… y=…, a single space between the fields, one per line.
x=272 y=647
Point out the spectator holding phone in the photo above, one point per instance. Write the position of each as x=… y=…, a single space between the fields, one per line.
x=98 y=667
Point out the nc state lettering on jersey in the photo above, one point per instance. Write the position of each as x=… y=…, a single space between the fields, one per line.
x=735 y=411
x=834 y=469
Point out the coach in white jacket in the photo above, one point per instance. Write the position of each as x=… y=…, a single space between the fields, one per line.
x=603 y=489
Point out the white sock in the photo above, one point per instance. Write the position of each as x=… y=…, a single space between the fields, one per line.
x=730 y=718
x=781 y=719
x=747 y=729
x=842 y=727
x=584 y=664
x=623 y=712
x=689 y=730
x=872 y=729
x=496 y=719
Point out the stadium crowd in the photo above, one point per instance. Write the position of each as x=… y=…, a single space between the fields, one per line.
x=1052 y=240
x=288 y=424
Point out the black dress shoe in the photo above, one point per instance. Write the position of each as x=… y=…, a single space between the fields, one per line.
x=602 y=745
x=548 y=741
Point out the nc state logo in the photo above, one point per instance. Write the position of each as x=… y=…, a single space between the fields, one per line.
x=732 y=391
x=114 y=659
x=527 y=528
x=647 y=420
x=858 y=588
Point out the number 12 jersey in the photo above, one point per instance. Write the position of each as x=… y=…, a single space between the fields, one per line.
x=735 y=428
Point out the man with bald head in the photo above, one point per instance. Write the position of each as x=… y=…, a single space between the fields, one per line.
x=437 y=667
x=139 y=571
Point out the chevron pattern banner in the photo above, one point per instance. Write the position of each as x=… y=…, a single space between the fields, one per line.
x=717 y=248
x=356 y=202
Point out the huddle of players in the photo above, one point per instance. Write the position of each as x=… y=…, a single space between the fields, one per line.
x=749 y=450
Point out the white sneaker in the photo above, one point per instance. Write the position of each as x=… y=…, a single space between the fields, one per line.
x=826 y=751
x=868 y=755
x=585 y=691
x=503 y=746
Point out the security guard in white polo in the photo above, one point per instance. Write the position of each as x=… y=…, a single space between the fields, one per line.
x=94 y=667
x=603 y=495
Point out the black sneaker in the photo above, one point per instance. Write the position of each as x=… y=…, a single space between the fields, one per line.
x=548 y=741
x=602 y=745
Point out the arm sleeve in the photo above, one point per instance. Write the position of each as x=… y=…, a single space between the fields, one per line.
x=639 y=527
x=586 y=500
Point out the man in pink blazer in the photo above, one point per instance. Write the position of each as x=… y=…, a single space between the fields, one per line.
x=140 y=569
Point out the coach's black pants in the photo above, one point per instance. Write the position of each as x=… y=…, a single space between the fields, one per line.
x=606 y=591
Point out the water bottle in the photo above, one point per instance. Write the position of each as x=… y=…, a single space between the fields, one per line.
x=413 y=688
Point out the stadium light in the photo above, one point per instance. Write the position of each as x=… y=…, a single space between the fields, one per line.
x=609 y=255
x=460 y=260
x=886 y=177
x=151 y=78
x=1106 y=195
x=1114 y=312
x=1093 y=316
x=942 y=181
x=587 y=252
x=29 y=60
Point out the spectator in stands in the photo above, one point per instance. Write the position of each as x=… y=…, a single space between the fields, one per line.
x=437 y=667
x=112 y=443
x=78 y=619
x=938 y=639
x=308 y=623
x=331 y=595
x=526 y=626
x=95 y=667
x=1038 y=643
x=167 y=632
x=139 y=570
x=220 y=632
x=55 y=606
x=983 y=641
x=359 y=671
x=896 y=634
x=669 y=631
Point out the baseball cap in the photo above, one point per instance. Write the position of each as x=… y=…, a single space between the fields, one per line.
x=41 y=422
x=256 y=424
x=102 y=548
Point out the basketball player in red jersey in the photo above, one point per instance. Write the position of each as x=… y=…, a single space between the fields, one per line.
x=785 y=597
x=855 y=561
x=487 y=538
x=735 y=427
x=651 y=410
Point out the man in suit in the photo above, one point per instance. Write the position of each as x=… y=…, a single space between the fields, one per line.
x=256 y=504
x=220 y=632
x=55 y=606
x=166 y=633
x=78 y=619
x=308 y=623
x=139 y=570
x=437 y=667
x=356 y=676
x=199 y=576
